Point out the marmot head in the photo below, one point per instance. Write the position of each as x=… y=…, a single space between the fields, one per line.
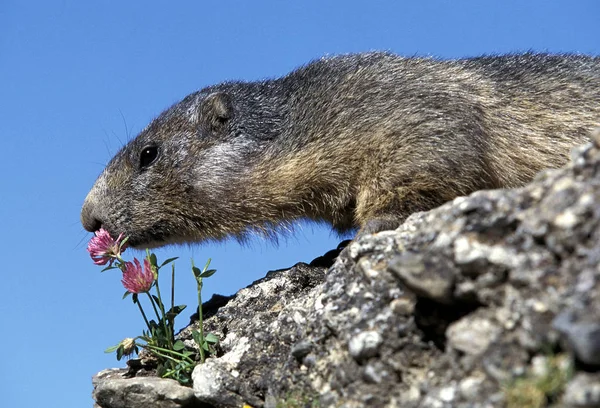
x=178 y=179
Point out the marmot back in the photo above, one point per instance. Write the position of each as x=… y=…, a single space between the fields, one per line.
x=359 y=141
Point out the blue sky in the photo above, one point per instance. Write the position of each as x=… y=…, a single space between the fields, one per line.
x=78 y=79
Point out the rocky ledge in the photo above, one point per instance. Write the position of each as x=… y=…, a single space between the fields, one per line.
x=490 y=300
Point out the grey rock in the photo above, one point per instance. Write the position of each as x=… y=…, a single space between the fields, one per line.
x=211 y=383
x=469 y=387
x=364 y=344
x=370 y=375
x=301 y=349
x=113 y=391
x=425 y=274
x=582 y=333
x=583 y=391
x=445 y=311
x=472 y=334
x=504 y=361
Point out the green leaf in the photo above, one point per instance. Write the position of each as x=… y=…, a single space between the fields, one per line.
x=197 y=337
x=207 y=265
x=168 y=261
x=211 y=338
x=197 y=272
x=120 y=352
x=123 y=242
x=208 y=273
x=172 y=313
x=112 y=349
x=127 y=293
x=108 y=268
x=153 y=260
x=158 y=302
x=179 y=345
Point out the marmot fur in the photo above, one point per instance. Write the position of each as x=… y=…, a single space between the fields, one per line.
x=359 y=141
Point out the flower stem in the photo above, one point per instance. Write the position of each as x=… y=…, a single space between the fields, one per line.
x=161 y=350
x=153 y=305
x=172 y=318
x=158 y=353
x=200 y=320
x=168 y=333
x=143 y=314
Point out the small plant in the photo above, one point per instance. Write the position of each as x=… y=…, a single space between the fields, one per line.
x=175 y=359
x=537 y=391
x=299 y=400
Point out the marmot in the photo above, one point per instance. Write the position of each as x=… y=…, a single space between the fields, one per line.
x=359 y=141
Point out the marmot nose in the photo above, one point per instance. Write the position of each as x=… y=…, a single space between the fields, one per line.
x=88 y=219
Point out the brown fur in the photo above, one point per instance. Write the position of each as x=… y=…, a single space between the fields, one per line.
x=357 y=141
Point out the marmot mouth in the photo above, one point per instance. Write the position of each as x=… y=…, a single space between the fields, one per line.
x=149 y=239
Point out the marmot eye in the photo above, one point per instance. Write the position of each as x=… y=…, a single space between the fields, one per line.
x=148 y=156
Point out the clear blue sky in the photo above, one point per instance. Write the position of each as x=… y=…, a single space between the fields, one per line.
x=78 y=79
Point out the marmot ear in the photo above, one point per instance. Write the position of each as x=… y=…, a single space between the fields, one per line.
x=216 y=110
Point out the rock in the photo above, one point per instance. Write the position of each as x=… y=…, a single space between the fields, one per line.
x=452 y=309
x=301 y=349
x=472 y=334
x=425 y=275
x=583 y=391
x=212 y=383
x=113 y=391
x=364 y=344
x=582 y=333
